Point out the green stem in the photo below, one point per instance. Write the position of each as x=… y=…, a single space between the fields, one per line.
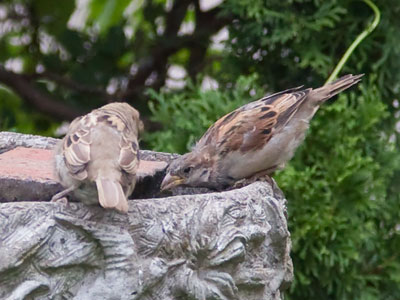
x=357 y=41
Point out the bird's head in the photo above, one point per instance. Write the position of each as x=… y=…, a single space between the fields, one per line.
x=192 y=169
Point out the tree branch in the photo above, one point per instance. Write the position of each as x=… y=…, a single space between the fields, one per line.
x=73 y=85
x=43 y=102
x=207 y=24
x=164 y=47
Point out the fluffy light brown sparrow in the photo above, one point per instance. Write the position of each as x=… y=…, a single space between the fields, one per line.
x=98 y=158
x=255 y=139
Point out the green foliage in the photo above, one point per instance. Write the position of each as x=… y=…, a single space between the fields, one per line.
x=53 y=14
x=292 y=42
x=342 y=219
x=193 y=111
x=106 y=13
x=14 y=117
x=78 y=61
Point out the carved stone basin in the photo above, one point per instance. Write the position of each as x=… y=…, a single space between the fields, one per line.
x=228 y=245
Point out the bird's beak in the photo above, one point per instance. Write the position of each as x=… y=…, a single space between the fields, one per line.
x=171 y=181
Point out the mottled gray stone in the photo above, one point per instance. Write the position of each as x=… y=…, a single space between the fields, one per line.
x=12 y=190
x=11 y=140
x=227 y=245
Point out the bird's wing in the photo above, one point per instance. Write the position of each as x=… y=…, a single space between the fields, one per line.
x=129 y=154
x=251 y=126
x=76 y=147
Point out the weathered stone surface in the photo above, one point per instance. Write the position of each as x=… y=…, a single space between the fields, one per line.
x=229 y=245
x=11 y=140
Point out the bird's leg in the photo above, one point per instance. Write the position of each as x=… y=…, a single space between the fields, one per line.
x=60 y=197
x=260 y=176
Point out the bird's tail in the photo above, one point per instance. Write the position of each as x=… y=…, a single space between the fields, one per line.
x=331 y=89
x=111 y=195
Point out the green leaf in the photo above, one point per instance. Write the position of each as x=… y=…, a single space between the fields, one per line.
x=53 y=15
x=107 y=13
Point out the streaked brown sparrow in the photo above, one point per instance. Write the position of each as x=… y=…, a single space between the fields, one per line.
x=98 y=158
x=255 y=139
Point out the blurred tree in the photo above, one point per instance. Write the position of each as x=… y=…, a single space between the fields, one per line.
x=62 y=58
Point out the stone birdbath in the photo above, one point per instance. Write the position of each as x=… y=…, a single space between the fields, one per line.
x=193 y=244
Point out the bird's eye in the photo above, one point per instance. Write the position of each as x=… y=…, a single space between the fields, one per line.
x=187 y=170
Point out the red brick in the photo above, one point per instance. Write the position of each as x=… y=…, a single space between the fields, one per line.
x=37 y=164
x=26 y=174
x=27 y=163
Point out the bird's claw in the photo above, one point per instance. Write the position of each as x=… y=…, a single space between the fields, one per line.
x=62 y=200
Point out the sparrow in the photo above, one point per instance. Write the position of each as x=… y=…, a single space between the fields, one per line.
x=98 y=158
x=253 y=140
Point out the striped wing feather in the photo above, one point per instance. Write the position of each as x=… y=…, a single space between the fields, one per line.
x=251 y=126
